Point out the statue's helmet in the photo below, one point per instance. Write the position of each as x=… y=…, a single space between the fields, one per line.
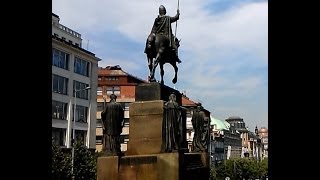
x=162 y=10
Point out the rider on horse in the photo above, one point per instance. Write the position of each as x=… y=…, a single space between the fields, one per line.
x=162 y=25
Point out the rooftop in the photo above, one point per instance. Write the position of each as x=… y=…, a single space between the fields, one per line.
x=72 y=45
x=115 y=71
x=187 y=102
x=220 y=124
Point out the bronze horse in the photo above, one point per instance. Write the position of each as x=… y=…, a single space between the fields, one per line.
x=161 y=53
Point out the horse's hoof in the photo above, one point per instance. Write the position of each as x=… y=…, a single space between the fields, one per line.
x=174 y=81
x=152 y=79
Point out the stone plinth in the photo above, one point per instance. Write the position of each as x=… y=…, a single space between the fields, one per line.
x=107 y=168
x=145 y=135
x=164 y=166
x=194 y=166
x=140 y=167
x=155 y=91
x=143 y=159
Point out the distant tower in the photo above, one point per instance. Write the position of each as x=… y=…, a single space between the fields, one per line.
x=256 y=131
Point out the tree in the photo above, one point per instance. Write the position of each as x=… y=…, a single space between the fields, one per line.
x=85 y=163
x=242 y=168
x=263 y=168
x=61 y=163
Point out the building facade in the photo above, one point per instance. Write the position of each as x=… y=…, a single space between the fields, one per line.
x=263 y=134
x=218 y=151
x=250 y=142
x=74 y=72
x=113 y=79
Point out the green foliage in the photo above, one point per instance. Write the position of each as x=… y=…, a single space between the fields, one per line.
x=263 y=167
x=85 y=163
x=61 y=163
x=241 y=168
x=213 y=172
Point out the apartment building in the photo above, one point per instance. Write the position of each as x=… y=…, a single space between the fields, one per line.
x=249 y=140
x=74 y=72
x=217 y=141
x=263 y=134
x=112 y=79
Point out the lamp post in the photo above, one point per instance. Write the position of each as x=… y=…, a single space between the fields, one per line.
x=57 y=116
x=74 y=125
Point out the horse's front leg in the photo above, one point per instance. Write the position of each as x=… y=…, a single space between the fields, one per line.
x=174 y=80
x=151 y=70
x=150 y=65
x=161 y=72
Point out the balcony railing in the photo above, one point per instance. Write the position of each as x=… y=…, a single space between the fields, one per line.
x=70 y=31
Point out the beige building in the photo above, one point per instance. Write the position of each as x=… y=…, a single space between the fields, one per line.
x=263 y=134
x=74 y=71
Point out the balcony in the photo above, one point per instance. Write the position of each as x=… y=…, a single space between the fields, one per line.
x=68 y=30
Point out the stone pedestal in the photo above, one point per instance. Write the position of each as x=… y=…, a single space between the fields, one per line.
x=150 y=167
x=143 y=159
x=163 y=166
x=145 y=135
x=107 y=168
x=155 y=91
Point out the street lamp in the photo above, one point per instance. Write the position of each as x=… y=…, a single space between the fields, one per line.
x=57 y=116
x=74 y=124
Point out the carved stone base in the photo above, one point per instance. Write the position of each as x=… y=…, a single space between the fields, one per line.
x=145 y=135
x=165 y=166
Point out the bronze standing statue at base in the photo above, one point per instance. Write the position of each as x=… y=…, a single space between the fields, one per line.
x=200 y=125
x=171 y=136
x=112 y=118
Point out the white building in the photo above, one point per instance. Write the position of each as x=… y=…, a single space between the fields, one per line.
x=73 y=69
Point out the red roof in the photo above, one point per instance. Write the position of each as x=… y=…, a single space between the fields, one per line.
x=187 y=102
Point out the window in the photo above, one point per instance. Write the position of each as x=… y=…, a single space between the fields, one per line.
x=60 y=59
x=80 y=135
x=99 y=106
x=125 y=105
x=112 y=78
x=59 y=110
x=81 y=66
x=99 y=123
x=124 y=138
x=83 y=94
x=59 y=84
x=59 y=136
x=126 y=122
x=113 y=89
x=81 y=113
x=98 y=139
x=99 y=78
x=99 y=90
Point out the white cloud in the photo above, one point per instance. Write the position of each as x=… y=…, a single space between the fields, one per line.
x=214 y=46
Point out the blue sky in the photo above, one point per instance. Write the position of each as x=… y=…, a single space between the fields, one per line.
x=224 y=47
